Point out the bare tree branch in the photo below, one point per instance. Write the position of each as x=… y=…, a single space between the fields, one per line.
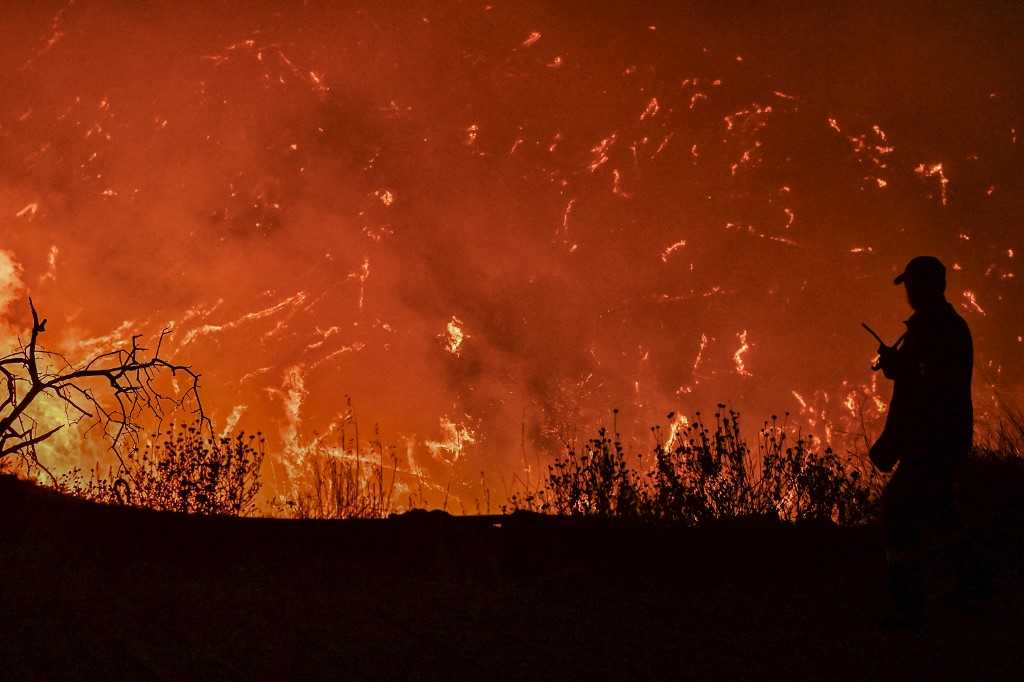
x=115 y=390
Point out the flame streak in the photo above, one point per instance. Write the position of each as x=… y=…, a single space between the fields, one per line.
x=737 y=357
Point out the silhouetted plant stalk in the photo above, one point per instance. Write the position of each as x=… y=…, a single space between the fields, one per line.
x=343 y=482
x=703 y=472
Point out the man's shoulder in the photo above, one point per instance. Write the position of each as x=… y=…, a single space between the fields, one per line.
x=957 y=321
x=944 y=326
x=957 y=331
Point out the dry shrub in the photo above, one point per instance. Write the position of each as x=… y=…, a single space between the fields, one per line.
x=704 y=472
x=186 y=472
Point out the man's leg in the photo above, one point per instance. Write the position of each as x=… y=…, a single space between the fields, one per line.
x=904 y=556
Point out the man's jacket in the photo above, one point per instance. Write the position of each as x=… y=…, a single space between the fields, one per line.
x=931 y=419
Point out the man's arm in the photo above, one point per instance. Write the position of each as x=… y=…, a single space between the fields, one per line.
x=894 y=361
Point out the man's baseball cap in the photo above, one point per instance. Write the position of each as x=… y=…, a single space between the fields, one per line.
x=923 y=269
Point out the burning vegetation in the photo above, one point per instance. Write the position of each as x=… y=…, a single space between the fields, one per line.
x=489 y=223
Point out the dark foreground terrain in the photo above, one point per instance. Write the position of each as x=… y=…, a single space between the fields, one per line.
x=91 y=592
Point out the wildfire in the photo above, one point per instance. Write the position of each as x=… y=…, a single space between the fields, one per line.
x=454 y=336
x=290 y=199
x=676 y=427
x=455 y=438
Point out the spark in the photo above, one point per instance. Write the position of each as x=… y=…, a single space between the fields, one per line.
x=554 y=142
x=295 y=300
x=56 y=34
x=935 y=170
x=231 y=421
x=324 y=335
x=800 y=399
x=664 y=143
x=353 y=348
x=600 y=152
x=790 y=217
x=737 y=357
x=651 y=110
x=255 y=373
x=51 y=260
x=28 y=212
x=972 y=301
x=850 y=404
x=115 y=338
x=700 y=351
x=617 y=185
x=564 y=230
x=362 y=275
x=672 y=248
x=531 y=39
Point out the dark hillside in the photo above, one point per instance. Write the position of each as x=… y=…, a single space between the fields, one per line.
x=94 y=592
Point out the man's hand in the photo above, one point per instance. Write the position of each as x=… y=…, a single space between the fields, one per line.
x=888 y=360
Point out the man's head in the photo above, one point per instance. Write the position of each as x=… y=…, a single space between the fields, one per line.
x=925 y=281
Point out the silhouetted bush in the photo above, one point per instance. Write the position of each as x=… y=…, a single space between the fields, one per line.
x=802 y=481
x=185 y=472
x=702 y=472
x=595 y=482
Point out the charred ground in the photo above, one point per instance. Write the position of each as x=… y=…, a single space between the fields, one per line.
x=99 y=592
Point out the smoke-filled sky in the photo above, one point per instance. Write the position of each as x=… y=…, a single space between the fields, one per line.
x=484 y=220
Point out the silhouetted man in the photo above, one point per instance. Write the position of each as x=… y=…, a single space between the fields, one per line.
x=928 y=431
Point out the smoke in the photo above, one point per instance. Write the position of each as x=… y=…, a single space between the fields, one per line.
x=489 y=226
x=11 y=286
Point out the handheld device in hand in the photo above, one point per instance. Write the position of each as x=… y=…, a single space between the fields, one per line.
x=881 y=344
x=871 y=331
